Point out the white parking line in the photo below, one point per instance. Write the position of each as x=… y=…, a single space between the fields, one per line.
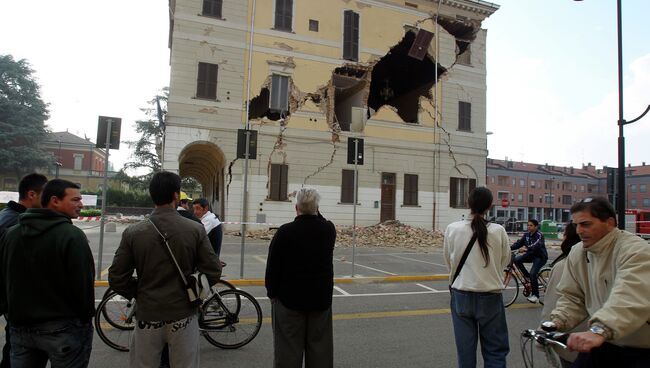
x=428 y=288
x=262 y=259
x=372 y=268
x=343 y=292
x=419 y=260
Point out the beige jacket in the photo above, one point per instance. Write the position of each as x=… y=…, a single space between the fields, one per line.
x=610 y=284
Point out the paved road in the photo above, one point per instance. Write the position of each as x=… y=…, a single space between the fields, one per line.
x=375 y=325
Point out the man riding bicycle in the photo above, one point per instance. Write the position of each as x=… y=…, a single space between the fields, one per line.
x=532 y=249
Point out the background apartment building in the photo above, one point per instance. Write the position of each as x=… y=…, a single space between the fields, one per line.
x=407 y=77
x=543 y=191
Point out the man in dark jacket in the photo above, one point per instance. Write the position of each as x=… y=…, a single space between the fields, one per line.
x=299 y=282
x=29 y=196
x=47 y=282
x=532 y=249
x=165 y=313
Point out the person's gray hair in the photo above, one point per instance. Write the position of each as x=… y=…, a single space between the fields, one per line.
x=307 y=201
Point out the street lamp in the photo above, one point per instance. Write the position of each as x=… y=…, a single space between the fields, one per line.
x=550 y=199
x=58 y=160
x=620 y=190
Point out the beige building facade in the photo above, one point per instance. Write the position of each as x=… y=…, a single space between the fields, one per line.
x=409 y=78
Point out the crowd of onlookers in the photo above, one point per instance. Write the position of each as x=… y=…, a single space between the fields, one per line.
x=598 y=286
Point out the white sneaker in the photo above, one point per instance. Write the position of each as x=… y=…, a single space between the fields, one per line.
x=533 y=299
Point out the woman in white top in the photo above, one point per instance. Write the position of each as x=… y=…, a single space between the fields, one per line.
x=477 y=309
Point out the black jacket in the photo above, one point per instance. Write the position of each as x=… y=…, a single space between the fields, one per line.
x=47 y=270
x=299 y=269
x=9 y=215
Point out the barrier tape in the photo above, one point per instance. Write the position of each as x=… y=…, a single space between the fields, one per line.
x=89 y=218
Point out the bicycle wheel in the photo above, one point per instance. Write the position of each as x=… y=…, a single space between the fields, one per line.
x=543 y=277
x=114 y=321
x=230 y=319
x=510 y=288
x=223 y=285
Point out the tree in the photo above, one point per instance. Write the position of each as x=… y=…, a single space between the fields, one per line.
x=22 y=119
x=147 y=150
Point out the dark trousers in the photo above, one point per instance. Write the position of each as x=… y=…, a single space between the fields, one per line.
x=302 y=333
x=610 y=355
x=538 y=263
x=65 y=343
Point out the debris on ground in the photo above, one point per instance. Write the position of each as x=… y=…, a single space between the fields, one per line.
x=386 y=234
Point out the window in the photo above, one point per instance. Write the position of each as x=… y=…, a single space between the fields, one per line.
x=463 y=52
x=633 y=202
x=278 y=182
x=78 y=161
x=492 y=179
x=514 y=182
x=566 y=199
x=646 y=202
x=283 y=14
x=410 y=190
x=313 y=25
x=464 y=116
x=206 y=81
x=582 y=188
x=531 y=198
x=459 y=190
x=503 y=180
x=212 y=8
x=532 y=183
x=522 y=183
x=633 y=188
x=347 y=186
x=279 y=100
x=350 y=35
x=642 y=188
x=575 y=188
x=520 y=197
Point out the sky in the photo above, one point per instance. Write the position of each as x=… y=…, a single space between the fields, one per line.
x=551 y=72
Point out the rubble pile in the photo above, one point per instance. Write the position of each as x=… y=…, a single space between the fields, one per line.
x=390 y=234
x=386 y=234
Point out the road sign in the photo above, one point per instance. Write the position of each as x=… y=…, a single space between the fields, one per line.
x=252 y=144
x=102 y=126
x=505 y=203
x=351 y=152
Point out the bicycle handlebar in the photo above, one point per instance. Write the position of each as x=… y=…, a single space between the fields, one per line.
x=545 y=338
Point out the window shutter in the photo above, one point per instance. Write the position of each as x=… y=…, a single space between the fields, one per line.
x=350 y=35
x=421 y=44
x=464 y=116
x=211 y=83
x=274 y=190
x=472 y=185
x=200 y=80
x=284 y=171
x=453 y=192
x=283 y=14
x=279 y=93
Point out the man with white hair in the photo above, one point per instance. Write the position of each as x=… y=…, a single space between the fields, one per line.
x=299 y=283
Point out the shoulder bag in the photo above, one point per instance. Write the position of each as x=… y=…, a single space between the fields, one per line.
x=464 y=258
x=196 y=284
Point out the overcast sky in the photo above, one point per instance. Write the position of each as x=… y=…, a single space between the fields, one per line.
x=551 y=66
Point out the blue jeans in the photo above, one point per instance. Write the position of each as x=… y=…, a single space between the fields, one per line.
x=479 y=315
x=65 y=343
x=538 y=263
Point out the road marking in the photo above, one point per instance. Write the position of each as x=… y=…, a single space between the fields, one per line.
x=419 y=260
x=341 y=290
x=428 y=288
x=262 y=259
x=368 y=267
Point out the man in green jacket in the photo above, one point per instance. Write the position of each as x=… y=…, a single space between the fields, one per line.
x=47 y=282
x=605 y=281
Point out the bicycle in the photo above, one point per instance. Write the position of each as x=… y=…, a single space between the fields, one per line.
x=545 y=341
x=512 y=278
x=228 y=319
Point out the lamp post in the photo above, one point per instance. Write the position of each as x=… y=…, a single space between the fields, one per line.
x=58 y=160
x=620 y=190
x=550 y=199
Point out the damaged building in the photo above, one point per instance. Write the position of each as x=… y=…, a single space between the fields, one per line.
x=407 y=77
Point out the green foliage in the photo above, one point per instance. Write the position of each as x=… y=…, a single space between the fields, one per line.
x=93 y=212
x=147 y=150
x=124 y=198
x=22 y=119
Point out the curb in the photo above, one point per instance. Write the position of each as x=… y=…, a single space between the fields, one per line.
x=338 y=280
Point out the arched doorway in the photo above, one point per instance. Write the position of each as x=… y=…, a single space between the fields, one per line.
x=205 y=162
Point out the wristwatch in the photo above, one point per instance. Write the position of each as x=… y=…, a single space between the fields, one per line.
x=597 y=330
